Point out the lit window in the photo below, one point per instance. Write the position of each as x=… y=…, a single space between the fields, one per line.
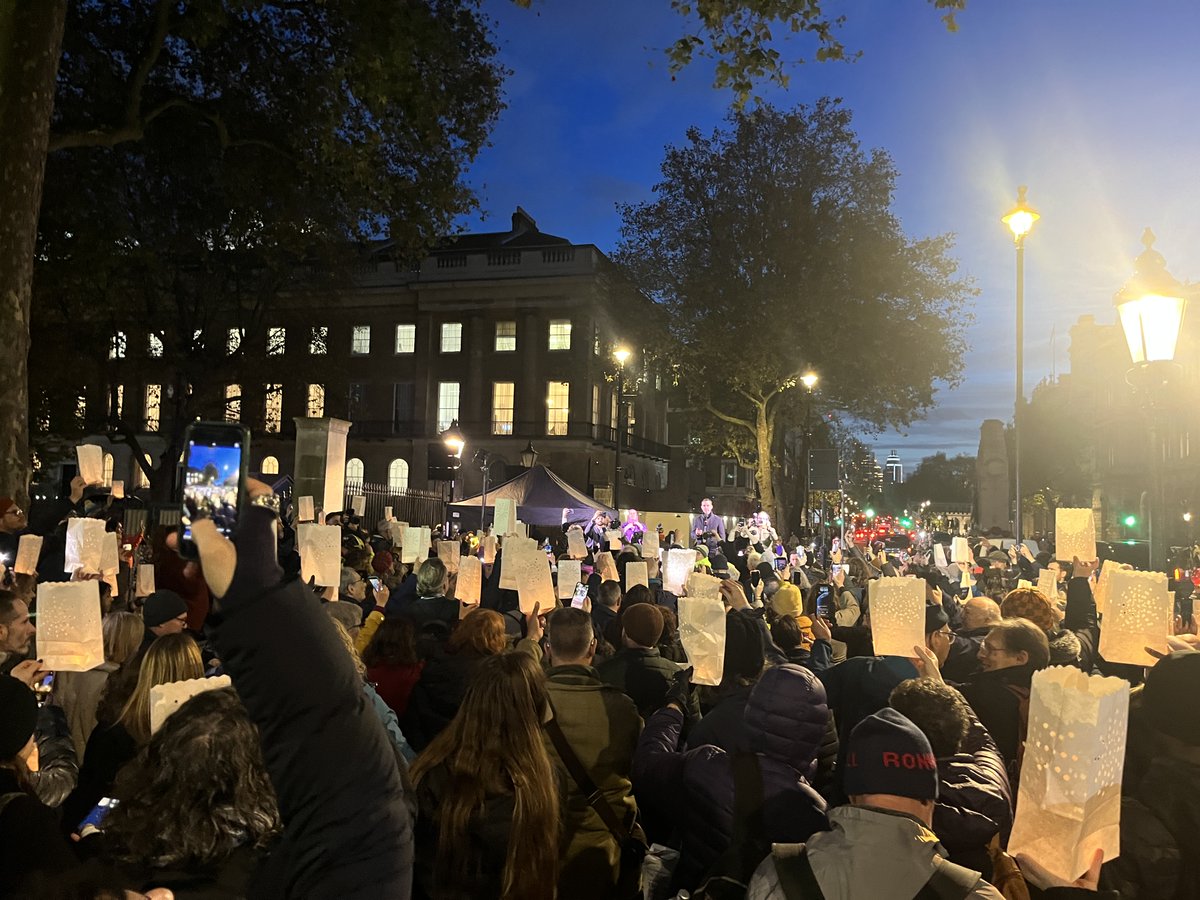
x=447 y=410
x=406 y=338
x=119 y=401
x=154 y=345
x=233 y=403
x=595 y=406
x=451 y=337
x=318 y=340
x=560 y=334
x=316 y=401
x=81 y=408
x=270 y=466
x=276 y=341
x=355 y=470
x=398 y=476
x=108 y=469
x=354 y=400
x=502 y=407
x=116 y=346
x=612 y=411
x=141 y=478
x=506 y=336
x=198 y=339
x=273 y=408
x=153 y=406
x=557 y=407
x=233 y=341
x=360 y=340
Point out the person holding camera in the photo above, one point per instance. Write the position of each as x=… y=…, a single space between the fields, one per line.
x=707 y=529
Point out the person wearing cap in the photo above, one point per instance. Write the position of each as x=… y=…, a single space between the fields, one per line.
x=803 y=639
x=881 y=845
x=638 y=668
x=30 y=838
x=1032 y=604
x=164 y=612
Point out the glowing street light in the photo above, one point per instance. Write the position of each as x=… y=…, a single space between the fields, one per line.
x=809 y=380
x=453 y=438
x=621 y=354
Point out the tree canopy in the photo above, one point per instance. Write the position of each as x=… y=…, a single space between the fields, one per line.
x=771 y=248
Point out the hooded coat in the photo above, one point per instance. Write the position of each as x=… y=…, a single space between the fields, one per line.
x=785 y=721
x=975 y=801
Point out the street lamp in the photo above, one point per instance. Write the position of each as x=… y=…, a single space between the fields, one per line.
x=621 y=355
x=1020 y=221
x=484 y=460
x=1151 y=306
x=528 y=456
x=453 y=438
x=809 y=380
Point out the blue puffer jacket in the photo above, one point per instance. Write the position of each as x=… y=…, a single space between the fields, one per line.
x=785 y=721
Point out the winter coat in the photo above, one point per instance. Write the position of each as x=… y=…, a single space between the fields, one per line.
x=58 y=765
x=999 y=708
x=30 y=839
x=785 y=722
x=869 y=852
x=601 y=725
x=78 y=694
x=108 y=750
x=1081 y=620
x=642 y=675
x=816 y=660
x=963 y=659
x=395 y=684
x=437 y=696
x=975 y=801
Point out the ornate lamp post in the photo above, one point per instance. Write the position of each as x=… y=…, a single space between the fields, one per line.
x=809 y=380
x=1020 y=221
x=621 y=355
x=1151 y=305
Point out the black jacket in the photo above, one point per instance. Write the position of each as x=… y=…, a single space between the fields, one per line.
x=437 y=695
x=963 y=659
x=975 y=801
x=30 y=841
x=642 y=675
x=998 y=706
x=347 y=830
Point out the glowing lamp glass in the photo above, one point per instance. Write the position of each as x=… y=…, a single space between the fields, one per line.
x=1151 y=324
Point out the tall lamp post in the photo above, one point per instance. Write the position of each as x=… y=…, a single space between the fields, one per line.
x=809 y=380
x=453 y=438
x=1020 y=221
x=621 y=355
x=1151 y=306
x=484 y=460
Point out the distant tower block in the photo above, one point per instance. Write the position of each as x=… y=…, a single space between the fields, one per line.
x=991 y=478
x=895 y=468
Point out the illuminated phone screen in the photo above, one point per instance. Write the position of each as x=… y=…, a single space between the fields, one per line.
x=210 y=485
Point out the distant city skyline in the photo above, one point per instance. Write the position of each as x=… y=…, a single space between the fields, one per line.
x=1089 y=110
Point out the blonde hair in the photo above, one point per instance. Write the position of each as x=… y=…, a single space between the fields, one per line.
x=348 y=642
x=122 y=636
x=172 y=657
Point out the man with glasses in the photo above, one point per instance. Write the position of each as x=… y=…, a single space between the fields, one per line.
x=14 y=522
x=165 y=612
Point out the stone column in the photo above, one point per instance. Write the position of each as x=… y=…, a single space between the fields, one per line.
x=320 y=470
x=991 y=478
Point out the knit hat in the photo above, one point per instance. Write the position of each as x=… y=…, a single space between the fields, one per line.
x=382 y=563
x=787 y=600
x=720 y=565
x=744 y=654
x=1031 y=604
x=643 y=624
x=935 y=619
x=162 y=606
x=888 y=754
x=1170 y=691
x=18 y=716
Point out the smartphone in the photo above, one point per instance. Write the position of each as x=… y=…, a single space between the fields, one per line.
x=836 y=546
x=579 y=596
x=781 y=562
x=824 y=592
x=376 y=584
x=96 y=817
x=215 y=457
x=43 y=688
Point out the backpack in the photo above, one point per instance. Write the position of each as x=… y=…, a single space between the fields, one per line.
x=798 y=882
x=730 y=875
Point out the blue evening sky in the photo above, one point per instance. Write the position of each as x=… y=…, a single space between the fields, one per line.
x=1092 y=103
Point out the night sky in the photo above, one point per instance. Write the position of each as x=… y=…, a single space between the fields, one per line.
x=1092 y=103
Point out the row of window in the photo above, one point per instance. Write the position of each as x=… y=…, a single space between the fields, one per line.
x=450 y=339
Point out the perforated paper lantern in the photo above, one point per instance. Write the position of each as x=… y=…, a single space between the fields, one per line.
x=358 y=505
x=306 y=511
x=576 y=545
x=513 y=544
x=897 y=608
x=1100 y=594
x=570 y=574
x=1139 y=613
x=448 y=553
x=939 y=556
x=650 y=546
x=320 y=549
x=505 y=520
x=470 y=579
x=69 y=636
x=489 y=549
x=531 y=570
x=85 y=545
x=636 y=573
x=29 y=550
x=960 y=551
x=165 y=699
x=1048 y=584
x=1074 y=534
x=1069 y=803
x=606 y=566
x=91 y=463
x=416 y=544
x=387 y=514
x=707 y=587
x=145 y=580
x=702 y=633
x=613 y=537
x=679 y=565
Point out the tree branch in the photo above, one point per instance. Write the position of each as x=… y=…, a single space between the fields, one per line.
x=732 y=420
x=162 y=18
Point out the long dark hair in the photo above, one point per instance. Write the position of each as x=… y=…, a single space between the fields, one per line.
x=494 y=747
x=197 y=791
x=394 y=644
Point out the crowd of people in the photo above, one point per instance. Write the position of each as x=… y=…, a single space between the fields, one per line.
x=385 y=739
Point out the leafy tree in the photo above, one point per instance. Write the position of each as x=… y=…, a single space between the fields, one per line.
x=941 y=479
x=772 y=247
x=208 y=158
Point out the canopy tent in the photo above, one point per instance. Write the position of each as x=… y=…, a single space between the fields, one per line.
x=540 y=495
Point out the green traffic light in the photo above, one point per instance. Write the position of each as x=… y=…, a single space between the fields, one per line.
x=869 y=513
x=1130 y=521
x=907 y=523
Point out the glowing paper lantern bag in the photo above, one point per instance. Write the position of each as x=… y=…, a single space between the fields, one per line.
x=1139 y=613
x=897 y=607
x=1069 y=803
x=679 y=566
x=636 y=573
x=470 y=579
x=702 y=633
x=91 y=463
x=576 y=545
x=531 y=570
x=1074 y=534
x=320 y=554
x=85 y=545
x=166 y=698
x=570 y=573
x=69 y=637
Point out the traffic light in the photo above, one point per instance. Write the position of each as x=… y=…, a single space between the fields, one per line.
x=906 y=522
x=1130 y=521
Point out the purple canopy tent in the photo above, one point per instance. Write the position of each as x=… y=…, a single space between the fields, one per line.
x=540 y=495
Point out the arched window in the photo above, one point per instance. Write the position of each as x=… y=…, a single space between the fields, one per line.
x=140 y=476
x=398 y=476
x=270 y=465
x=354 y=470
x=108 y=469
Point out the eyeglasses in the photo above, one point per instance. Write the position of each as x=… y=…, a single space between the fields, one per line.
x=987 y=649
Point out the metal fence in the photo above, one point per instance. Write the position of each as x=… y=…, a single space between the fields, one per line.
x=415 y=506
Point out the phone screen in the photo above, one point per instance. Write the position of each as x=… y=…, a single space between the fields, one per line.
x=837 y=545
x=96 y=817
x=213 y=465
x=376 y=584
x=824 y=592
x=580 y=595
